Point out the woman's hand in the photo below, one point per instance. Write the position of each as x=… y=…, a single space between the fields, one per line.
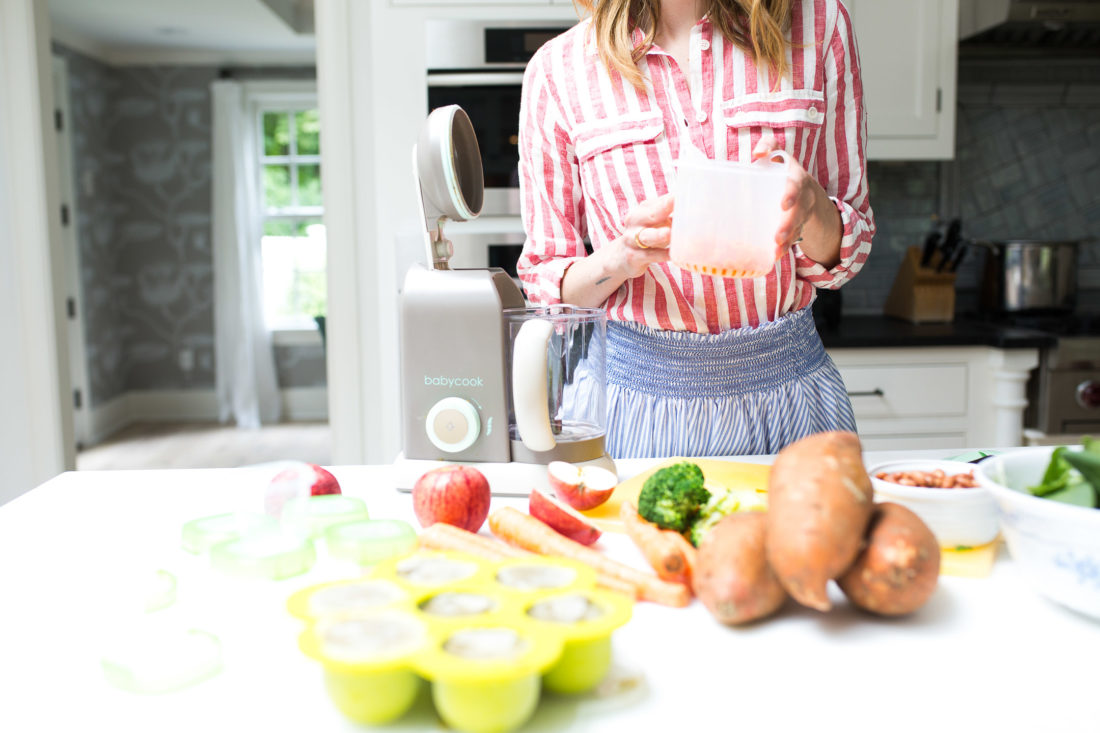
x=645 y=239
x=647 y=229
x=810 y=218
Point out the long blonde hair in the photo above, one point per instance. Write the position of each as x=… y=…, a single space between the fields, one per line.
x=757 y=26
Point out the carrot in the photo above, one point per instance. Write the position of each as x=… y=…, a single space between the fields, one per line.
x=442 y=536
x=666 y=550
x=529 y=533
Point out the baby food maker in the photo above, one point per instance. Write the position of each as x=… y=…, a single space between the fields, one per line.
x=487 y=380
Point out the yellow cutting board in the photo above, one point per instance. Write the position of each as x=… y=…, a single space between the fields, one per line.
x=750 y=479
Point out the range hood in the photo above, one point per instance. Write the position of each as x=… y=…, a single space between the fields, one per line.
x=1053 y=24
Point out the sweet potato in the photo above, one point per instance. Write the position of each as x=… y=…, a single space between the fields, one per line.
x=819 y=503
x=732 y=576
x=899 y=569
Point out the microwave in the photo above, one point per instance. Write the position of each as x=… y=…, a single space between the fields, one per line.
x=479 y=66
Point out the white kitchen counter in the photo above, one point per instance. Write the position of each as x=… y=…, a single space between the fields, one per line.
x=983 y=655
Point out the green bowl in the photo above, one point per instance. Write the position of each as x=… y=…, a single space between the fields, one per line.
x=473 y=707
x=154 y=660
x=368 y=662
x=373 y=698
x=199 y=535
x=312 y=515
x=265 y=555
x=585 y=618
x=369 y=541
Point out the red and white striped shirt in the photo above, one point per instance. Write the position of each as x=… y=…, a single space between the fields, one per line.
x=592 y=147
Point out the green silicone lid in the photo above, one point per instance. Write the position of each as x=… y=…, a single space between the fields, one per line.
x=312 y=515
x=371 y=540
x=159 y=591
x=268 y=555
x=153 y=660
x=199 y=535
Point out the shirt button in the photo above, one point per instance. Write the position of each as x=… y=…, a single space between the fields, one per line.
x=700 y=116
x=704 y=44
x=812 y=113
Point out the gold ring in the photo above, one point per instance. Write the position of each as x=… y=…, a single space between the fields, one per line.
x=638 y=240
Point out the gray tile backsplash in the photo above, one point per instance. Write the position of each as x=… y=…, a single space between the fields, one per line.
x=1027 y=166
x=142 y=171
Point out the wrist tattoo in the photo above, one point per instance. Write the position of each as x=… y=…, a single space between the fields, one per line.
x=602 y=280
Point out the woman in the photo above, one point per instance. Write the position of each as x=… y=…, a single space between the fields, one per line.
x=697 y=364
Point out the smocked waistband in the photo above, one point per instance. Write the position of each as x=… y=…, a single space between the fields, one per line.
x=687 y=364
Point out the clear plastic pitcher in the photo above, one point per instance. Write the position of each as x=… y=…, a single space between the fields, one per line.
x=557 y=401
x=726 y=214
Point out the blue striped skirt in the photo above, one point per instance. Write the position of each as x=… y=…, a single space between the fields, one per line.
x=747 y=391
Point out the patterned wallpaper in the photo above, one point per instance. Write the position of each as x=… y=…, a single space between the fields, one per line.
x=142 y=159
x=164 y=276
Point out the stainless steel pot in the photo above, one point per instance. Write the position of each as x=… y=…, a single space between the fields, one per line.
x=1029 y=275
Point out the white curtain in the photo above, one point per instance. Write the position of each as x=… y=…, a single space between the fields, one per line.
x=245 y=362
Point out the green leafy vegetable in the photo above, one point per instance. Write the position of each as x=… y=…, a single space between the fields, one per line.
x=718 y=506
x=1078 y=493
x=1072 y=477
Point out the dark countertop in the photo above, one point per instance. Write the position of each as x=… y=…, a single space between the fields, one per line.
x=867 y=331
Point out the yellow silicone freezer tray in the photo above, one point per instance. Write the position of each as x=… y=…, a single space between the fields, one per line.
x=488 y=636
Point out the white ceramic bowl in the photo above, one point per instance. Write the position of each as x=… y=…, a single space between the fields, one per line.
x=958 y=517
x=1056 y=545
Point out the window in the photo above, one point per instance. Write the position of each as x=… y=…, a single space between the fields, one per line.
x=293 y=243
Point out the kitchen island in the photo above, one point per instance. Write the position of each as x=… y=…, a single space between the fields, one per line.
x=983 y=654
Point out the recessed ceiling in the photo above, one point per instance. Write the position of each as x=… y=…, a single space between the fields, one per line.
x=217 y=31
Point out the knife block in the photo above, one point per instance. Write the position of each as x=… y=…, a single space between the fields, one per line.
x=920 y=294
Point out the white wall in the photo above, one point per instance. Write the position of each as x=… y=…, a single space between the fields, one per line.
x=373 y=97
x=35 y=432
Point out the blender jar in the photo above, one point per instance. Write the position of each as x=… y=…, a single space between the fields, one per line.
x=557 y=406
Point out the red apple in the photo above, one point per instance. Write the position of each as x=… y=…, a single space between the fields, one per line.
x=456 y=495
x=582 y=488
x=304 y=479
x=562 y=518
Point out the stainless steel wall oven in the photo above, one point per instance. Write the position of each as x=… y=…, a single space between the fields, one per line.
x=479 y=65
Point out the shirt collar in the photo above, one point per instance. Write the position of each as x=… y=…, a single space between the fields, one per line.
x=637 y=37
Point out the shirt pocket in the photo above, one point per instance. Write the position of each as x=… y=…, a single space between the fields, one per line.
x=591 y=139
x=786 y=108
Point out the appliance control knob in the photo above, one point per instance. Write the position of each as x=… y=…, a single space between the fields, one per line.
x=453 y=424
x=1088 y=393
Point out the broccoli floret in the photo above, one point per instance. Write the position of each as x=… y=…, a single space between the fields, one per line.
x=718 y=507
x=673 y=496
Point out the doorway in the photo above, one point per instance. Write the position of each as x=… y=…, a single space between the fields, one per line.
x=78 y=362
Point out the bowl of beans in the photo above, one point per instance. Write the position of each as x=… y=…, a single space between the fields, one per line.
x=945 y=494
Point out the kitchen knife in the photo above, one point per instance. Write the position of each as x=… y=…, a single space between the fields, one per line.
x=931 y=243
x=950 y=243
x=956 y=258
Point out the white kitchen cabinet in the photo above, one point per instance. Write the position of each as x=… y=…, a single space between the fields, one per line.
x=937 y=397
x=908 y=52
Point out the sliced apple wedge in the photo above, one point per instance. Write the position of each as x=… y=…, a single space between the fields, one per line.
x=562 y=518
x=582 y=488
